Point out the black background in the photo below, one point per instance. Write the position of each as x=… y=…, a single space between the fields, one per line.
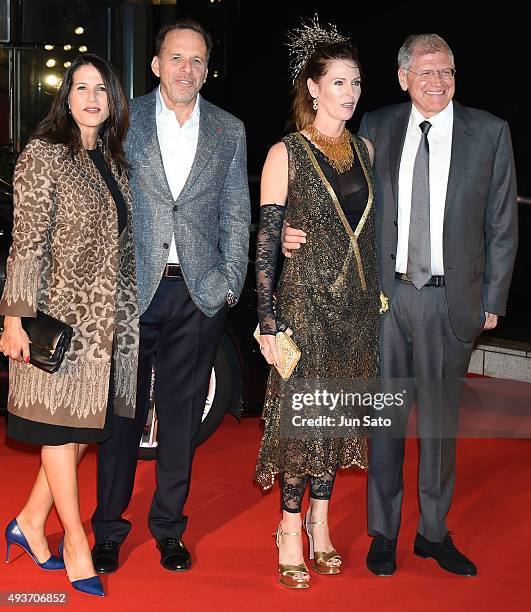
x=491 y=62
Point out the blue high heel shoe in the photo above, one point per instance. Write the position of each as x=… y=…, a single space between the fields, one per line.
x=14 y=535
x=91 y=586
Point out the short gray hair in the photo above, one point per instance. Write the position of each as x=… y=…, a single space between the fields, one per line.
x=424 y=43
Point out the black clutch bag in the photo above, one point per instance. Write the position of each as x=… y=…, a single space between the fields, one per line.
x=50 y=339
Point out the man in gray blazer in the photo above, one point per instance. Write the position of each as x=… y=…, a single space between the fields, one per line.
x=447 y=225
x=191 y=221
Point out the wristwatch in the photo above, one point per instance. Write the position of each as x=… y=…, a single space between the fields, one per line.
x=231 y=299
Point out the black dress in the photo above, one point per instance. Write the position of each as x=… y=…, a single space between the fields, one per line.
x=351 y=187
x=24 y=430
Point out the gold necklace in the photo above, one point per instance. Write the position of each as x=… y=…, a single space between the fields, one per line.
x=338 y=151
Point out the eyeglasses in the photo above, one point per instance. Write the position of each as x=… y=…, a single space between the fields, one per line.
x=445 y=74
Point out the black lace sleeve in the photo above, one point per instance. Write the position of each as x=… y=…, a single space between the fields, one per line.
x=267 y=247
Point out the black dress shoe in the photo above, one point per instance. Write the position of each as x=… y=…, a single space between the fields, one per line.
x=173 y=555
x=446 y=555
x=105 y=556
x=381 y=559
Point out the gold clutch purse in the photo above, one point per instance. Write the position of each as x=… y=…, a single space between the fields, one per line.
x=288 y=353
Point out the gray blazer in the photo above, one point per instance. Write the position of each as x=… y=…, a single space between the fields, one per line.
x=480 y=231
x=211 y=216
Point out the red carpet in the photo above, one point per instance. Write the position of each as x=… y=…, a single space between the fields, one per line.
x=231 y=523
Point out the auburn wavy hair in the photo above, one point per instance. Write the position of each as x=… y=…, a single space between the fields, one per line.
x=315 y=67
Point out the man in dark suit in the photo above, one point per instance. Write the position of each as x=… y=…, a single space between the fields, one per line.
x=191 y=214
x=447 y=226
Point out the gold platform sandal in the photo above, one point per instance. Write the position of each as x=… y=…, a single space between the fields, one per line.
x=287 y=574
x=321 y=559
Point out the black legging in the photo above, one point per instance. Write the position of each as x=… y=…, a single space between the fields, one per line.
x=292 y=489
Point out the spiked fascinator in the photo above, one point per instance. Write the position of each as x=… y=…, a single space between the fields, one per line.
x=303 y=41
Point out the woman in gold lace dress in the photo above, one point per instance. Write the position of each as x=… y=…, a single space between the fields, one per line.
x=317 y=179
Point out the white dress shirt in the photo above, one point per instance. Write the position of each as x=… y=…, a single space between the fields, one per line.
x=178 y=145
x=440 y=141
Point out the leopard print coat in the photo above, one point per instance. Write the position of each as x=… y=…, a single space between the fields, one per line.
x=68 y=261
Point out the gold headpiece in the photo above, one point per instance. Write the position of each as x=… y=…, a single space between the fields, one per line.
x=303 y=41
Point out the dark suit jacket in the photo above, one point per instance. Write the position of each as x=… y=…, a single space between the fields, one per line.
x=480 y=231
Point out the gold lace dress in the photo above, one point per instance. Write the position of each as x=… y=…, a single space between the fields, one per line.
x=328 y=295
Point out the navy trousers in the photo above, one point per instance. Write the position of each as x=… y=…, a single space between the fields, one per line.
x=181 y=343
